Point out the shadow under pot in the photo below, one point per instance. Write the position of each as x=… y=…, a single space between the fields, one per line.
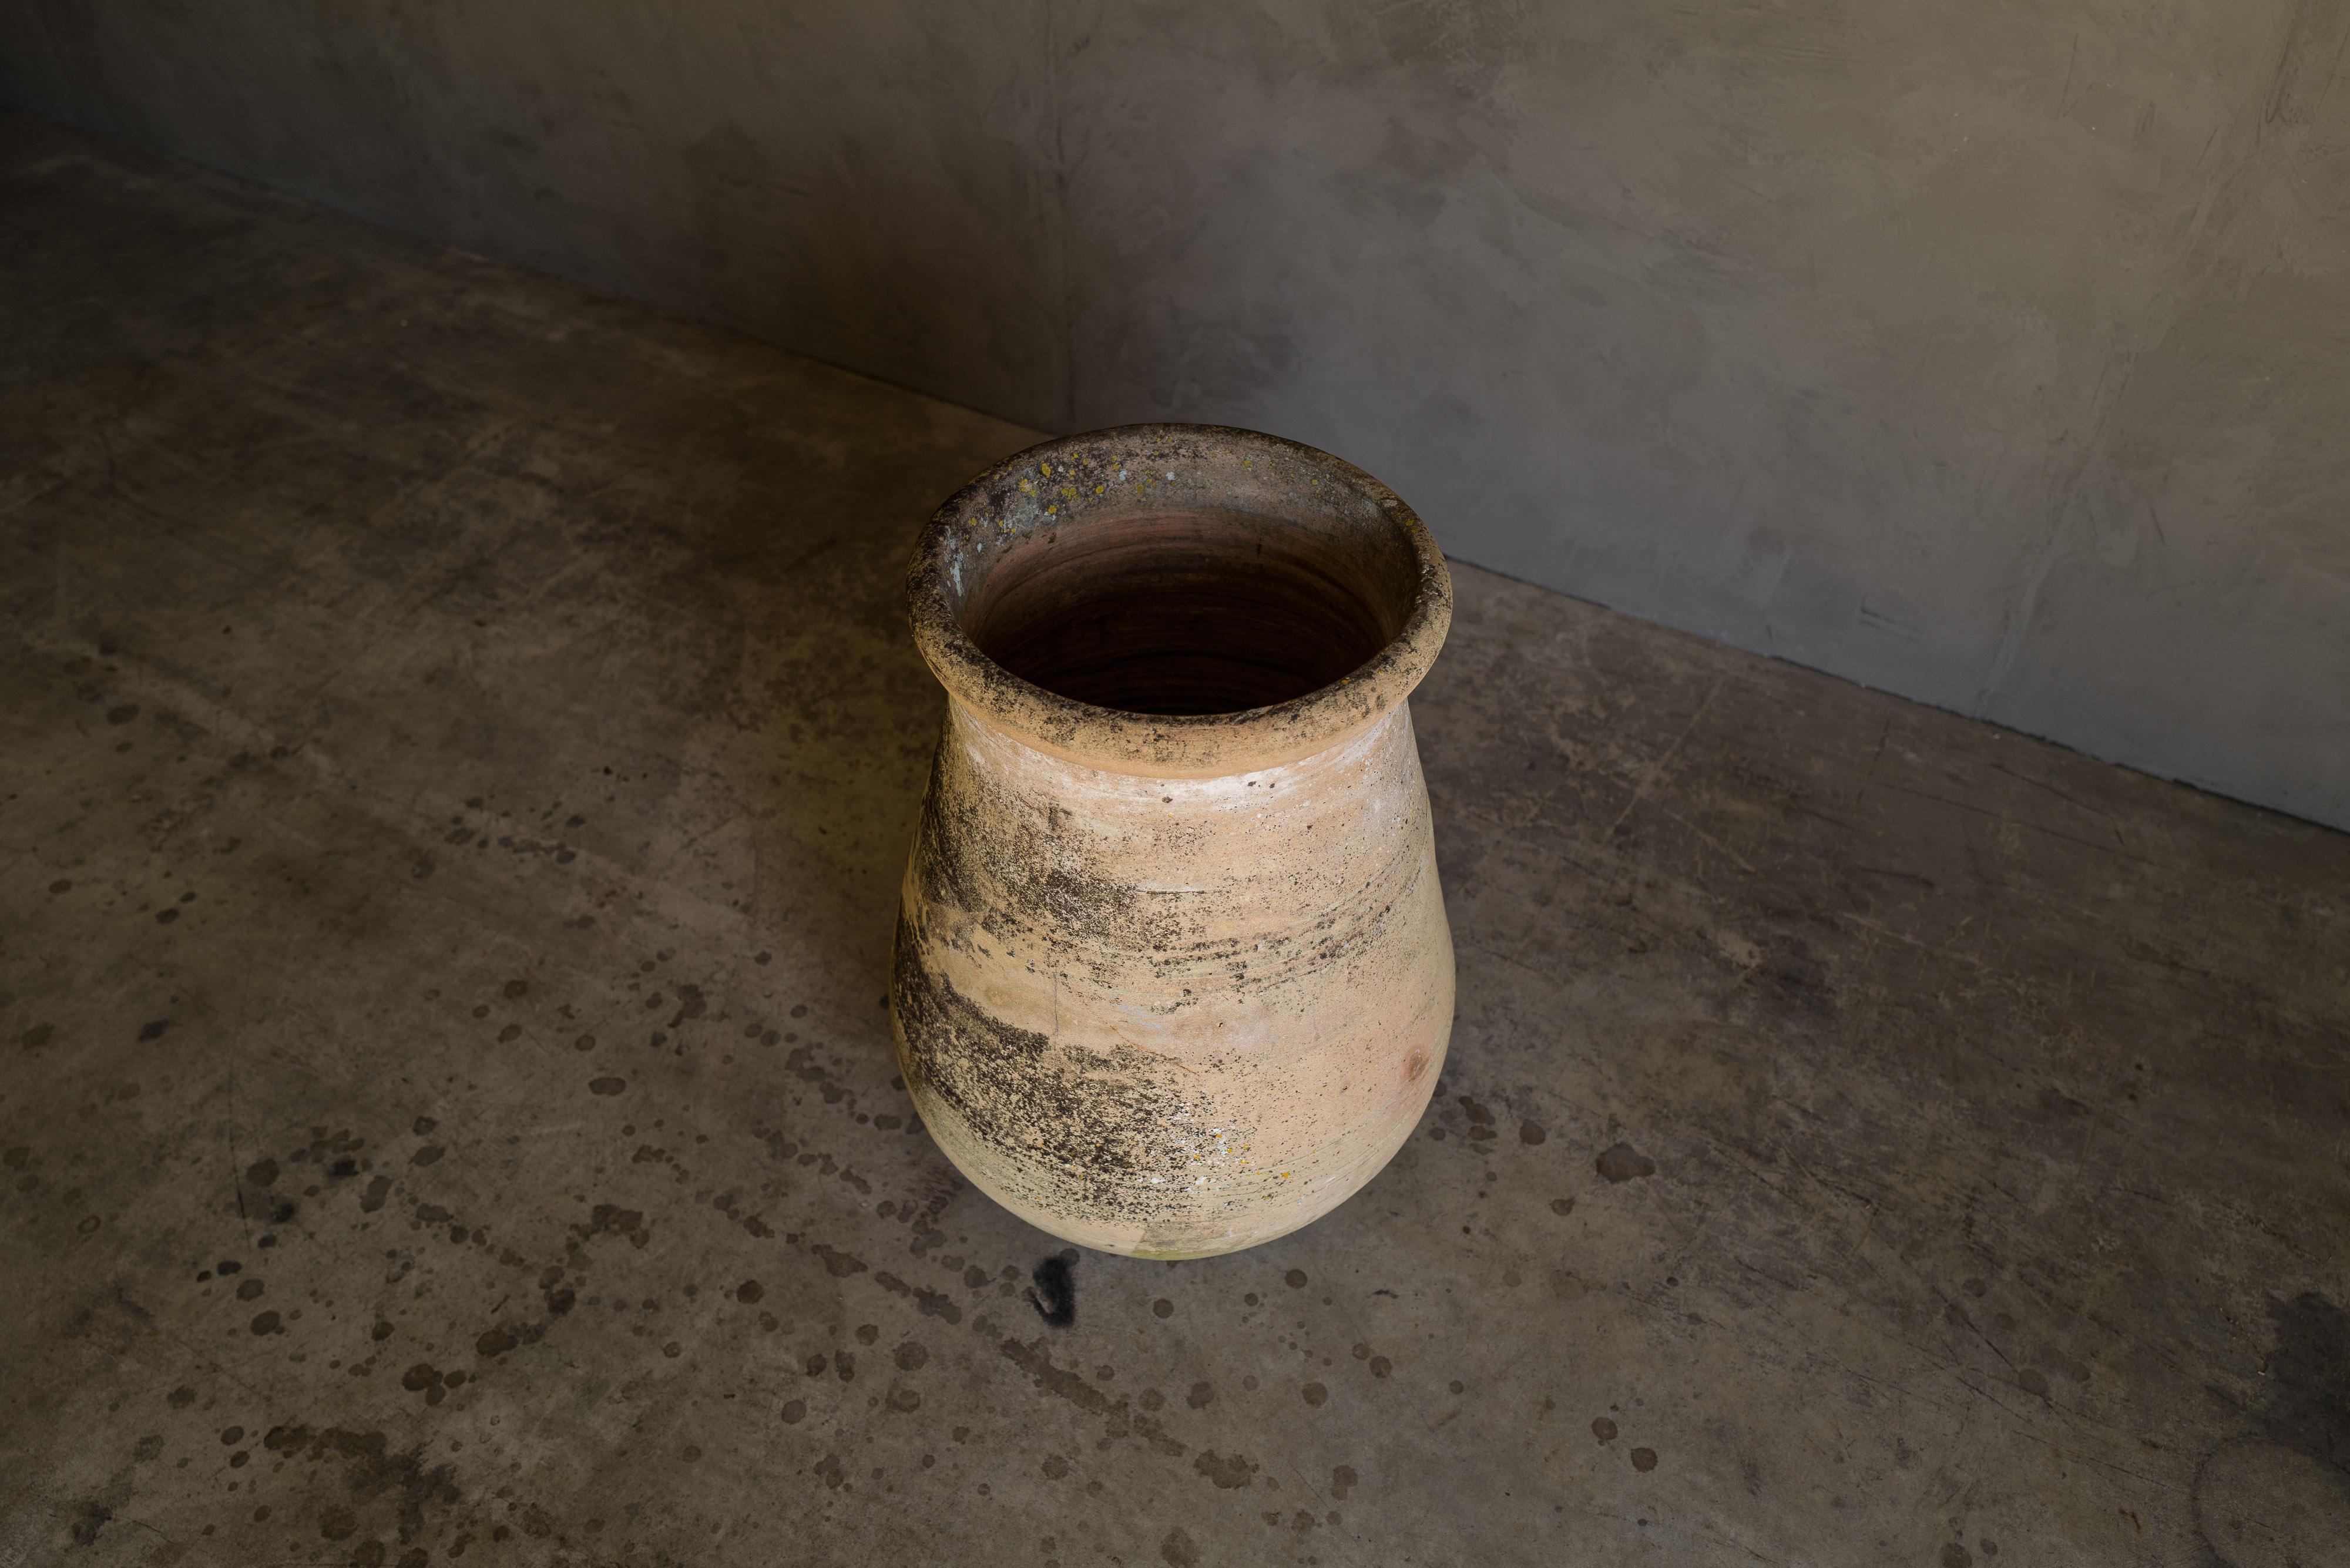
x=1172 y=973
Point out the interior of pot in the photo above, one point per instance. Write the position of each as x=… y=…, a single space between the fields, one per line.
x=1182 y=612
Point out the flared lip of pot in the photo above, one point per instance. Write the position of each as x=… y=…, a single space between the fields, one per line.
x=1160 y=745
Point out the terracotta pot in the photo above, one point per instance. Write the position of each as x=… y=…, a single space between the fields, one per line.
x=1173 y=975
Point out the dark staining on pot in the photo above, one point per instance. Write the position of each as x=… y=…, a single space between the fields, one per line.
x=1031 y=882
x=1096 y=1126
x=974 y=832
x=947 y=823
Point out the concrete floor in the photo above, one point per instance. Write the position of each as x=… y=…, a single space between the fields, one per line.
x=459 y=742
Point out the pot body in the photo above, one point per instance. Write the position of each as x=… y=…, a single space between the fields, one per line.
x=1172 y=972
x=1172 y=1016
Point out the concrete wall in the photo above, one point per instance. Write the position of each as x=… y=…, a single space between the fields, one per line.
x=1996 y=354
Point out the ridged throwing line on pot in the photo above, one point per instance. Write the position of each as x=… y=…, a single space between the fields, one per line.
x=1173 y=975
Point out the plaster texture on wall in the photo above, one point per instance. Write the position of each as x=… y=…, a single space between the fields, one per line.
x=1995 y=354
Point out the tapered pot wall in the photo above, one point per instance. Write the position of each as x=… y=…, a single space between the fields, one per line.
x=1174 y=985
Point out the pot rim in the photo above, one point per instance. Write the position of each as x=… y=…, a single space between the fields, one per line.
x=1162 y=745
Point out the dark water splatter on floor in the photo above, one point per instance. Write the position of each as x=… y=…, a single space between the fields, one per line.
x=1054 y=1293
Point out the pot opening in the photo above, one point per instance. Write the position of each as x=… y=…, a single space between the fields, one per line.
x=1188 y=613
